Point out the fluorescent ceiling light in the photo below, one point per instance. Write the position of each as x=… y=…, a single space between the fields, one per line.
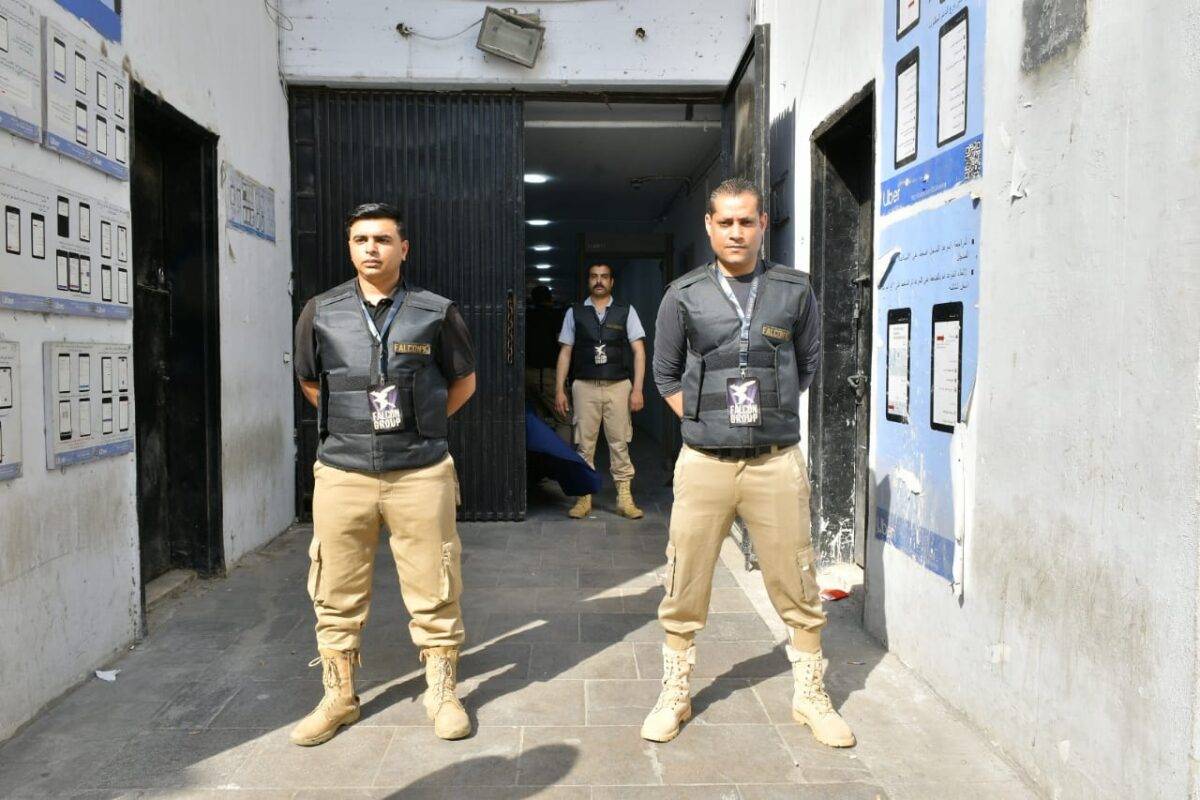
x=543 y=266
x=544 y=279
x=536 y=177
x=538 y=223
x=541 y=248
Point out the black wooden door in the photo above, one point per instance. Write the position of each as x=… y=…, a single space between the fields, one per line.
x=453 y=164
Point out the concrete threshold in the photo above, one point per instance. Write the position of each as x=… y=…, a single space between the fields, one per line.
x=167 y=585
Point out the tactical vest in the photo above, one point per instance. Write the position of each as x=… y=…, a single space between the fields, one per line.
x=349 y=357
x=611 y=335
x=713 y=330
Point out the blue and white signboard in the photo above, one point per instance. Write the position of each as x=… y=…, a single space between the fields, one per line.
x=10 y=411
x=63 y=252
x=87 y=104
x=926 y=345
x=100 y=14
x=89 y=401
x=931 y=128
x=249 y=205
x=21 y=100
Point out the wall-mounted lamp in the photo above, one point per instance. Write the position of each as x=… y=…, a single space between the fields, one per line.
x=511 y=36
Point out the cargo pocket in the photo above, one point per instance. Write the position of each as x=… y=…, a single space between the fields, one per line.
x=314 y=570
x=806 y=565
x=668 y=577
x=447 y=563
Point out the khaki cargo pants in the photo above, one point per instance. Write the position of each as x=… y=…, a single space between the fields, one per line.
x=771 y=495
x=605 y=402
x=418 y=506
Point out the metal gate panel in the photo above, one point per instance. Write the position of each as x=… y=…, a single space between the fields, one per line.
x=453 y=164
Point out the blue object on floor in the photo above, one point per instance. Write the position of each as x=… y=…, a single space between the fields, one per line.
x=551 y=457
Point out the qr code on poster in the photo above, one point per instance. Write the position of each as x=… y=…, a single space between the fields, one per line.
x=974 y=161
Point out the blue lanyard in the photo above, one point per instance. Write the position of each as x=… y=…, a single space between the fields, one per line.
x=381 y=335
x=743 y=316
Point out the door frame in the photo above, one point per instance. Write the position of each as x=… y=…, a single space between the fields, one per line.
x=863 y=346
x=208 y=553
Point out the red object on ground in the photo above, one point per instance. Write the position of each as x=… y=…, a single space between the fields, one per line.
x=833 y=594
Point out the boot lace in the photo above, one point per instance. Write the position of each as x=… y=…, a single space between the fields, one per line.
x=675 y=688
x=442 y=680
x=809 y=680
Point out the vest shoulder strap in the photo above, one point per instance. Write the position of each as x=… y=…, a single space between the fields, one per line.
x=693 y=277
x=335 y=294
x=425 y=299
x=779 y=272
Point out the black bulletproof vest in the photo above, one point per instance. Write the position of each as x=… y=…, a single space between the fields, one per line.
x=713 y=328
x=612 y=336
x=350 y=359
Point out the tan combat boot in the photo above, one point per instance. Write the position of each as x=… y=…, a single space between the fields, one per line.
x=582 y=507
x=339 y=706
x=450 y=719
x=674 y=706
x=625 y=506
x=811 y=705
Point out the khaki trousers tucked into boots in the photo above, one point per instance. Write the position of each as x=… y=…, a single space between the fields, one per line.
x=771 y=495
x=418 y=506
x=608 y=402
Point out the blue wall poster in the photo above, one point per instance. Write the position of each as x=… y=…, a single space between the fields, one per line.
x=931 y=124
x=927 y=334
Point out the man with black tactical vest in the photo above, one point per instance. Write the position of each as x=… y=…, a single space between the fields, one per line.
x=386 y=364
x=737 y=342
x=601 y=344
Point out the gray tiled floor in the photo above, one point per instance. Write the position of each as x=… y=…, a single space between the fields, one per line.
x=562 y=664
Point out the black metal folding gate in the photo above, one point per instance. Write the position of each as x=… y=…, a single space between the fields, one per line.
x=453 y=163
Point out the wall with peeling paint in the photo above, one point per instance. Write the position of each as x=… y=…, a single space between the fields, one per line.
x=688 y=45
x=70 y=588
x=1075 y=642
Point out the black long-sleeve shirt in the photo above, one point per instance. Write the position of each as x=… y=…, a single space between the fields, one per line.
x=670 y=344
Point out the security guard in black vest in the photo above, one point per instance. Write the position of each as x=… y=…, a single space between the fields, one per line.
x=602 y=344
x=737 y=342
x=385 y=363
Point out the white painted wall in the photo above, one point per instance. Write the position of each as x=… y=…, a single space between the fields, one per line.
x=1075 y=647
x=69 y=564
x=224 y=74
x=689 y=45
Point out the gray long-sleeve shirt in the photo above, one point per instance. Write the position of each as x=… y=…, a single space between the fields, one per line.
x=670 y=343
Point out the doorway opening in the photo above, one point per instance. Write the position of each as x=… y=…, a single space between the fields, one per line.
x=622 y=184
x=176 y=343
x=843 y=202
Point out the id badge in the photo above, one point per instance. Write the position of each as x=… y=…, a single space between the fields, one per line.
x=742 y=395
x=601 y=355
x=385 y=408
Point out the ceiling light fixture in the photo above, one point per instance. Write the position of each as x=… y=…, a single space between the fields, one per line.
x=536 y=177
x=543 y=266
x=544 y=279
x=537 y=223
x=541 y=248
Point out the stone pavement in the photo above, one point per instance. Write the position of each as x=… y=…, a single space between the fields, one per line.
x=562 y=664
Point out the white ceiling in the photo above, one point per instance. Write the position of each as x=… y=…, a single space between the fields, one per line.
x=592 y=152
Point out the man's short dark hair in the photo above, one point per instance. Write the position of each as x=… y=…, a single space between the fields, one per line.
x=732 y=187
x=375 y=211
x=608 y=267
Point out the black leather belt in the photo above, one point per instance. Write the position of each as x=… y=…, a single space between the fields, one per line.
x=739 y=453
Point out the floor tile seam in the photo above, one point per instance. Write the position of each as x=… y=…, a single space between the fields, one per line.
x=383 y=758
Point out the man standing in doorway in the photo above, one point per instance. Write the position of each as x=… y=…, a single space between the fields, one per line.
x=597 y=339
x=737 y=343
x=386 y=364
